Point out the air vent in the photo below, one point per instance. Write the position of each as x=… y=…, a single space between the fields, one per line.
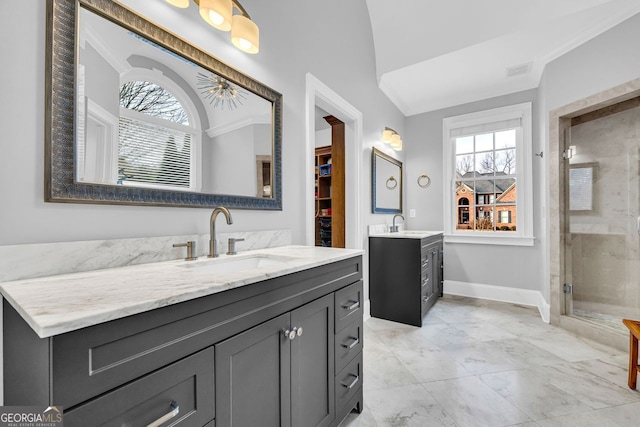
x=517 y=70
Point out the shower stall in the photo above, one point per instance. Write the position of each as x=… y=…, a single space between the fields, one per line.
x=596 y=154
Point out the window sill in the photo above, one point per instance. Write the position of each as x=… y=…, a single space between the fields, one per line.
x=490 y=240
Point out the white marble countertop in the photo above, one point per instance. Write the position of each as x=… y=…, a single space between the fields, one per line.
x=407 y=234
x=58 y=304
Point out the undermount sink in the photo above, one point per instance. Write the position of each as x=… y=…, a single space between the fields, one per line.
x=235 y=265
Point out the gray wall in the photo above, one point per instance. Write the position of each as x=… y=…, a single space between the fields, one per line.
x=104 y=90
x=516 y=267
x=606 y=61
x=603 y=62
x=290 y=48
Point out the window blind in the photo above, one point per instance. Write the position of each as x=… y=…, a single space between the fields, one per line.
x=153 y=154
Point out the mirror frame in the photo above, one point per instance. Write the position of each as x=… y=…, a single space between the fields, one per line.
x=376 y=153
x=60 y=102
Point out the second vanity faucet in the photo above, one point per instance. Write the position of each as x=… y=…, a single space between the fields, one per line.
x=213 y=244
x=394 y=227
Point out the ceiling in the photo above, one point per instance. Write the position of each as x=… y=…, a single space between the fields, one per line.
x=433 y=54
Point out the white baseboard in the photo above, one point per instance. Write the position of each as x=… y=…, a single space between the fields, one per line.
x=367 y=310
x=500 y=293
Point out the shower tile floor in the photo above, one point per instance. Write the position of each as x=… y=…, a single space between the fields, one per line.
x=608 y=320
x=484 y=363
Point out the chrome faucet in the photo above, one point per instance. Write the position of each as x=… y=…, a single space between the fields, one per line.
x=394 y=227
x=213 y=244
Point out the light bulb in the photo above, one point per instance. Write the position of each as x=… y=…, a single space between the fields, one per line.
x=244 y=44
x=215 y=17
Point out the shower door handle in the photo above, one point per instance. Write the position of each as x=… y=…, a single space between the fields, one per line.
x=638 y=225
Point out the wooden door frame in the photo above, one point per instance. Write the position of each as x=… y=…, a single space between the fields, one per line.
x=319 y=94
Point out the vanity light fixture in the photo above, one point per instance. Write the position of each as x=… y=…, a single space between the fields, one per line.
x=245 y=34
x=391 y=137
x=182 y=4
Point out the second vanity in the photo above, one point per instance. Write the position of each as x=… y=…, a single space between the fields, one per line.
x=405 y=274
x=270 y=337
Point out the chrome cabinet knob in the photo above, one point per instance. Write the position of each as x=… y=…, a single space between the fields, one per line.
x=298 y=330
x=291 y=334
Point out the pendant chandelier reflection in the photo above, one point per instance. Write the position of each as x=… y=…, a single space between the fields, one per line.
x=245 y=34
x=220 y=92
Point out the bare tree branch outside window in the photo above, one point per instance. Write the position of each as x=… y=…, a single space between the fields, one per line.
x=154 y=100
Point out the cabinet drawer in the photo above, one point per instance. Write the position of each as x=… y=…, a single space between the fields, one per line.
x=348 y=344
x=425 y=282
x=348 y=382
x=348 y=305
x=182 y=392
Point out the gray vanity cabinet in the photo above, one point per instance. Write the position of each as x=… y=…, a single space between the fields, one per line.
x=405 y=277
x=279 y=373
x=222 y=359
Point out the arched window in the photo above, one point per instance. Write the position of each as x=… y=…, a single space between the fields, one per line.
x=156 y=141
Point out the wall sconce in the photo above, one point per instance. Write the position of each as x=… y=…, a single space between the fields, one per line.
x=245 y=34
x=391 y=137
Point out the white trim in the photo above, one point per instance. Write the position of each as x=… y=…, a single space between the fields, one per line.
x=490 y=238
x=523 y=236
x=107 y=157
x=527 y=297
x=238 y=124
x=367 y=310
x=317 y=93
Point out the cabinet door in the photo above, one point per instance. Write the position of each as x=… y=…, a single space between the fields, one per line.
x=441 y=269
x=253 y=386
x=430 y=278
x=312 y=364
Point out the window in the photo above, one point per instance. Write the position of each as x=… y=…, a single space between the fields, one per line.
x=488 y=195
x=155 y=140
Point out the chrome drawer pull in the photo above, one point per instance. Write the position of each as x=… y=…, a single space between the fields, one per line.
x=353 y=306
x=355 y=342
x=175 y=410
x=353 y=383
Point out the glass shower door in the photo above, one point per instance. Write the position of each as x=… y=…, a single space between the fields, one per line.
x=602 y=252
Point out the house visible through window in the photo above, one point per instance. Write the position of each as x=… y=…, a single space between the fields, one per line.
x=486 y=168
x=155 y=140
x=488 y=163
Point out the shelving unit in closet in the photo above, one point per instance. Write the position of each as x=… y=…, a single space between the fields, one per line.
x=330 y=189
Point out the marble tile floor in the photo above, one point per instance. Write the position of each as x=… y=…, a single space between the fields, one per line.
x=483 y=363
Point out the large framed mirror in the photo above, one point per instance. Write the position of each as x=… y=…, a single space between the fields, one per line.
x=386 y=183
x=137 y=116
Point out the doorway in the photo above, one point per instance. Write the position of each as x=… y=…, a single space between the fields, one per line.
x=320 y=95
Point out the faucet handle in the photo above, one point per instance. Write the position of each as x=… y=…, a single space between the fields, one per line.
x=191 y=248
x=232 y=245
